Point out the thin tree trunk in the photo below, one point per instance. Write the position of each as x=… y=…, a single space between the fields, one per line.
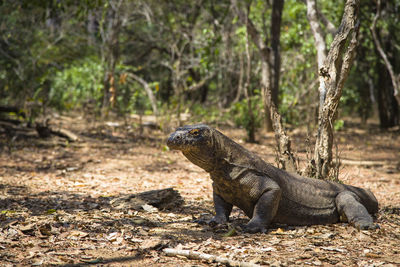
x=251 y=129
x=276 y=20
x=240 y=81
x=286 y=158
x=110 y=54
x=387 y=105
x=334 y=73
x=320 y=45
x=395 y=78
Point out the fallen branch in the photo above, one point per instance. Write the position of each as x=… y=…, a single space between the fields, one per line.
x=208 y=257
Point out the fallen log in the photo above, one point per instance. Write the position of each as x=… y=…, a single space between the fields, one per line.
x=64 y=133
x=208 y=257
x=167 y=198
x=44 y=130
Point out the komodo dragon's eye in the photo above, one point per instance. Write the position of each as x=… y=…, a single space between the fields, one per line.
x=194 y=132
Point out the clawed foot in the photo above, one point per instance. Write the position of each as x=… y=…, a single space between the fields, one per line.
x=363 y=225
x=213 y=222
x=217 y=220
x=253 y=227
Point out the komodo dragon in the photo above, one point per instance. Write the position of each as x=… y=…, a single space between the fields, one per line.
x=265 y=193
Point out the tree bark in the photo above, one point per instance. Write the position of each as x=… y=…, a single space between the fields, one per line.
x=334 y=73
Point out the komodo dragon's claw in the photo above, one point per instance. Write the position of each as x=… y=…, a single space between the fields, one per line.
x=360 y=225
x=252 y=229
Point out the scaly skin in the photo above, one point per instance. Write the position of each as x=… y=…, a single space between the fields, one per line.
x=265 y=193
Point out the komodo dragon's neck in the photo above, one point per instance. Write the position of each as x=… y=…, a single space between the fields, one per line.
x=208 y=157
x=235 y=154
x=218 y=150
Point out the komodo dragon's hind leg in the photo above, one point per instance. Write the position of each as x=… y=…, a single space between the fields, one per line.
x=349 y=207
x=264 y=211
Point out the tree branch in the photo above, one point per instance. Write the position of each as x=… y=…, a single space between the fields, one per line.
x=316 y=29
x=201 y=83
x=251 y=28
x=148 y=90
x=330 y=27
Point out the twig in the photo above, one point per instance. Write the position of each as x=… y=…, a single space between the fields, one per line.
x=208 y=257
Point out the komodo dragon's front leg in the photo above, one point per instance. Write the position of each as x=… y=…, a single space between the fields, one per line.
x=222 y=210
x=351 y=210
x=264 y=210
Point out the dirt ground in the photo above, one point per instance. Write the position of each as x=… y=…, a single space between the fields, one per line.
x=56 y=202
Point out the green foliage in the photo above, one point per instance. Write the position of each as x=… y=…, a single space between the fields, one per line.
x=77 y=84
x=339 y=125
x=210 y=113
x=50 y=57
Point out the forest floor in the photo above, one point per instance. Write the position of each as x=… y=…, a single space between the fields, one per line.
x=56 y=202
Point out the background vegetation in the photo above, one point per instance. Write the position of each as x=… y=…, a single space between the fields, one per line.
x=170 y=57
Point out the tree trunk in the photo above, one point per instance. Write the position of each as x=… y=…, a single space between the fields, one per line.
x=320 y=45
x=110 y=54
x=276 y=21
x=394 y=78
x=275 y=59
x=251 y=128
x=334 y=73
x=387 y=105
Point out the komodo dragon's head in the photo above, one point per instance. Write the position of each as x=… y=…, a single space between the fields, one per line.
x=196 y=142
x=190 y=137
